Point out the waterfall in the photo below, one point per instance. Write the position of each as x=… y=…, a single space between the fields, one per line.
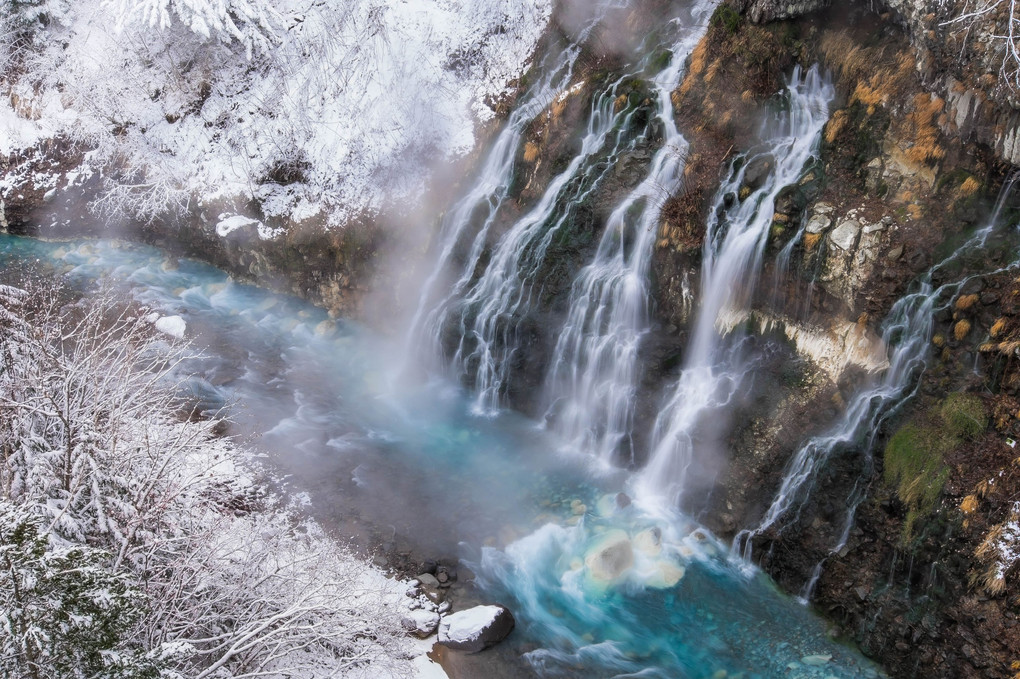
x=734 y=244
x=487 y=314
x=591 y=382
x=907 y=329
x=482 y=202
x=485 y=308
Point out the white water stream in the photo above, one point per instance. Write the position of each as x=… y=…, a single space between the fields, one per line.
x=481 y=205
x=601 y=586
x=592 y=379
x=734 y=244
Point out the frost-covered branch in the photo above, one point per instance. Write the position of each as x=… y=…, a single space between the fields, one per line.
x=218 y=579
x=312 y=109
x=998 y=23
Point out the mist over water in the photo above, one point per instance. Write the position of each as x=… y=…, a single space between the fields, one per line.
x=421 y=469
x=606 y=575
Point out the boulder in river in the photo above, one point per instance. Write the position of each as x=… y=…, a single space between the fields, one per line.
x=476 y=629
x=610 y=557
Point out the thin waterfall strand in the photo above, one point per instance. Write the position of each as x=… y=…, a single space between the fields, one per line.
x=734 y=245
x=487 y=315
x=485 y=197
x=907 y=330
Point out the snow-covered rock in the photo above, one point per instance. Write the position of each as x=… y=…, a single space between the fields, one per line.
x=171 y=325
x=421 y=622
x=227 y=225
x=476 y=629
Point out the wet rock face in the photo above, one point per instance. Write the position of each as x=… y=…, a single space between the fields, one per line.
x=907 y=170
x=771 y=10
x=852 y=248
x=961 y=57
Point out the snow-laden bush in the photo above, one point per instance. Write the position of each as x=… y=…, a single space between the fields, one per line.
x=63 y=613
x=310 y=108
x=140 y=534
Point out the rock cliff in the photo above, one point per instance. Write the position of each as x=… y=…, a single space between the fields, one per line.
x=916 y=149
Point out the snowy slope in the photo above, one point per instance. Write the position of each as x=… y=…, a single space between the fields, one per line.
x=335 y=108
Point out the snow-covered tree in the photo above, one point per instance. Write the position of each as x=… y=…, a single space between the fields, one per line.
x=252 y=23
x=311 y=109
x=109 y=486
x=63 y=612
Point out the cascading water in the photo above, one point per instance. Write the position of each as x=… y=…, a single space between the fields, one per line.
x=486 y=316
x=599 y=586
x=592 y=380
x=483 y=201
x=907 y=329
x=485 y=309
x=734 y=244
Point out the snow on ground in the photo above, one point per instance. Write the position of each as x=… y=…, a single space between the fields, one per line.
x=347 y=109
x=393 y=593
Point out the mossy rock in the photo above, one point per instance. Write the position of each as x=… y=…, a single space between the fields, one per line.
x=915 y=455
x=964 y=415
x=726 y=17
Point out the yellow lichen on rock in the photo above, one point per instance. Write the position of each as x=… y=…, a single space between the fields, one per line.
x=530 y=152
x=964 y=302
x=961 y=329
x=923 y=121
x=835 y=125
x=811 y=241
x=969 y=187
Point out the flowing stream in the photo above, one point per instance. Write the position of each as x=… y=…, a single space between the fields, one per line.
x=482 y=204
x=592 y=381
x=417 y=466
x=598 y=348
x=607 y=578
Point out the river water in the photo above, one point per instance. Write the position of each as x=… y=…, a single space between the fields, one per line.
x=600 y=587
